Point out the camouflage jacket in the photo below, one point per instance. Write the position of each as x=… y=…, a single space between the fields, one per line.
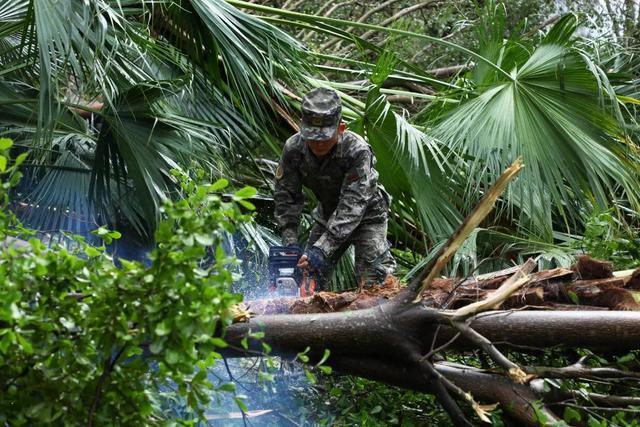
x=344 y=182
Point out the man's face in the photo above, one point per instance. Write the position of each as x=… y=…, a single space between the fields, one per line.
x=322 y=147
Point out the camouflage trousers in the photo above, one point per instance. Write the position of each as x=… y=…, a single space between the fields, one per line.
x=373 y=259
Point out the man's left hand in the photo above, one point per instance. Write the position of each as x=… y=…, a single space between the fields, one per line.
x=314 y=259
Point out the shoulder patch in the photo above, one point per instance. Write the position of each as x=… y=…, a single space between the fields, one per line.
x=352 y=177
x=279 y=171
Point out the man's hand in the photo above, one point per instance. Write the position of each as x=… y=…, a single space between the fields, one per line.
x=314 y=259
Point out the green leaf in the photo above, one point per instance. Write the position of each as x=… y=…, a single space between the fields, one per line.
x=163 y=328
x=592 y=422
x=157 y=345
x=570 y=414
x=325 y=356
x=227 y=387
x=5 y=143
x=250 y=206
x=101 y=231
x=312 y=378
x=219 y=342
x=574 y=297
x=26 y=345
x=257 y=335
x=376 y=409
x=16 y=313
x=411 y=158
x=6 y=341
x=3 y=163
x=240 y=402
x=219 y=184
x=36 y=410
x=69 y=324
x=629 y=357
x=302 y=356
x=171 y=356
x=204 y=239
x=555 y=94
x=327 y=370
x=91 y=251
x=245 y=193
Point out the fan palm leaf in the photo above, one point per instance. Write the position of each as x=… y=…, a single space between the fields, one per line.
x=555 y=111
x=243 y=55
x=412 y=167
x=162 y=101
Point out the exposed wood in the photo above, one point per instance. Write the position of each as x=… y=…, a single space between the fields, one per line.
x=391 y=334
x=579 y=370
x=450 y=70
x=482 y=209
x=331 y=8
x=512 y=284
x=362 y=342
x=604 y=293
x=547 y=289
x=590 y=268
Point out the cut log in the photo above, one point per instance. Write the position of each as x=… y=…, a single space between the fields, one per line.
x=591 y=268
x=604 y=293
x=634 y=280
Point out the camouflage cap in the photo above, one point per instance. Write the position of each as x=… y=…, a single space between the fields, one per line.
x=321 y=112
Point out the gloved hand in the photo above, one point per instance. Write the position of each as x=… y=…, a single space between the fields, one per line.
x=314 y=259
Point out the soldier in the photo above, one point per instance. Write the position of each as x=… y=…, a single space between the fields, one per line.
x=338 y=167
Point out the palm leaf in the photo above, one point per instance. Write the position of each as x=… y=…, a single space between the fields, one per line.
x=236 y=50
x=409 y=162
x=58 y=204
x=553 y=113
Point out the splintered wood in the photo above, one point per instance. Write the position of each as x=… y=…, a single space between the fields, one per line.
x=588 y=285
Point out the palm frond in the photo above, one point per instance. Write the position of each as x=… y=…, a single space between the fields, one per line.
x=410 y=161
x=555 y=114
x=236 y=50
x=58 y=204
x=13 y=10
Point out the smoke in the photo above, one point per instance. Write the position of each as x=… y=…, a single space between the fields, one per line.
x=268 y=392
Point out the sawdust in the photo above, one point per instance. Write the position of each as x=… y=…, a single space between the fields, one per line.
x=326 y=302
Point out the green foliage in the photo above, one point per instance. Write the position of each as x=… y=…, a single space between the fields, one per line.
x=555 y=110
x=159 y=100
x=85 y=341
x=347 y=401
x=606 y=238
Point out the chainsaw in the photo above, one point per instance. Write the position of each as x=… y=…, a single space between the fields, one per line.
x=285 y=277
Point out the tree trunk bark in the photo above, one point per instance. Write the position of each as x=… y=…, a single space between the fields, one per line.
x=384 y=344
x=365 y=331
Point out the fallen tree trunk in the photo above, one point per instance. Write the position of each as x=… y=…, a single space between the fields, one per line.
x=397 y=335
x=388 y=343
x=367 y=330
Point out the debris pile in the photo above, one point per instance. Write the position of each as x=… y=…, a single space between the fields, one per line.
x=590 y=284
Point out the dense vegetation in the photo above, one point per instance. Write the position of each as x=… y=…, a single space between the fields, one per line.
x=113 y=105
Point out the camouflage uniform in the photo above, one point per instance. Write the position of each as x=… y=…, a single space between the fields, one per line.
x=352 y=206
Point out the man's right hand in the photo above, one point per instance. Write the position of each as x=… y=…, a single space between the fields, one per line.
x=303 y=262
x=314 y=259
